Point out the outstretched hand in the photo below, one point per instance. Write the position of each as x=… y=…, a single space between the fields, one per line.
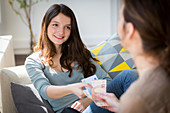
x=77 y=89
x=109 y=98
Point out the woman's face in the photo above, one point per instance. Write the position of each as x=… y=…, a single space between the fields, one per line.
x=59 y=29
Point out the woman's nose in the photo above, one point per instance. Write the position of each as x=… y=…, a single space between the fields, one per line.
x=61 y=31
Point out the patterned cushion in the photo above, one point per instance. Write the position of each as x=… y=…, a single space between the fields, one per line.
x=112 y=57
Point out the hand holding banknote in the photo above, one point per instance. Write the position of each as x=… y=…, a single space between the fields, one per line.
x=76 y=88
x=111 y=101
x=99 y=85
x=98 y=94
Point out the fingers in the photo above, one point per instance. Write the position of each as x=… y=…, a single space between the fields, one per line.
x=77 y=89
x=78 y=106
x=81 y=85
x=99 y=96
x=81 y=95
x=75 y=105
x=110 y=95
x=104 y=96
x=110 y=99
x=86 y=85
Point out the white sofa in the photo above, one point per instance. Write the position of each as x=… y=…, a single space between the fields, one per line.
x=6 y=59
x=18 y=74
x=15 y=74
x=6 y=51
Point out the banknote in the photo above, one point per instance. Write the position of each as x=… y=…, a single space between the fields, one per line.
x=89 y=81
x=99 y=85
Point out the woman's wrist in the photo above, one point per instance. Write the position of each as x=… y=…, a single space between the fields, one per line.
x=69 y=88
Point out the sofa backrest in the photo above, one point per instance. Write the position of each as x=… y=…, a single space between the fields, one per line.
x=16 y=74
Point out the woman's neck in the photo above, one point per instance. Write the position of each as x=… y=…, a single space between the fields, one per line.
x=58 y=48
x=144 y=63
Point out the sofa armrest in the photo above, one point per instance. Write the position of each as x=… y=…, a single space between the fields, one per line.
x=6 y=51
x=16 y=74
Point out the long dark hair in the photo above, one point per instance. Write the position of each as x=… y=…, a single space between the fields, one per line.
x=152 y=20
x=72 y=50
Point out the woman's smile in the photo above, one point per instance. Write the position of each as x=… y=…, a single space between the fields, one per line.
x=59 y=37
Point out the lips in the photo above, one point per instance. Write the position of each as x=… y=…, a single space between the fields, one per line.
x=58 y=37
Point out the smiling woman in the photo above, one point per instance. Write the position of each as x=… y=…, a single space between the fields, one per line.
x=61 y=61
x=59 y=30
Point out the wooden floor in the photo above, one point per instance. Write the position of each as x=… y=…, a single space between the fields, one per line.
x=20 y=59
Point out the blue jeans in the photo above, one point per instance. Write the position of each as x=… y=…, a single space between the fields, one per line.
x=117 y=86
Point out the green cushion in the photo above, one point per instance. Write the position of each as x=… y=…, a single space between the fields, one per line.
x=112 y=57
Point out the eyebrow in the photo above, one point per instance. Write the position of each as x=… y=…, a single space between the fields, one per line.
x=58 y=22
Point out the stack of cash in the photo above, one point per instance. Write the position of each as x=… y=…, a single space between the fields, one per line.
x=99 y=86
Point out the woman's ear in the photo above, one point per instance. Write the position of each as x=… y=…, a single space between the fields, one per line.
x=129 y=30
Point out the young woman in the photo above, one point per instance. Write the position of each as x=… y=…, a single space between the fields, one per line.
x=61 y=61
x=144 y=29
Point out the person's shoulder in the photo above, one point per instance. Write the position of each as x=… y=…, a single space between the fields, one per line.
x=34 y=57
x=132 y=104
x=34 y=61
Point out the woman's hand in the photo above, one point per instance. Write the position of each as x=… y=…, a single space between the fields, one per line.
x=109 y=98
x=81 y=105
x=55 y=92
x=77 y=88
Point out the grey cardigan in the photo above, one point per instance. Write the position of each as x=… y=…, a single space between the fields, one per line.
x=43 y=78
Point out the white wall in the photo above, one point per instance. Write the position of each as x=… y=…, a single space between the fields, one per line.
x=97 y=20
x=0 y=11
x=1 y=14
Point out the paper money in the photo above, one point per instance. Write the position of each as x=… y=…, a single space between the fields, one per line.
x=87 y=93
x=89 y=81
x=99 y=85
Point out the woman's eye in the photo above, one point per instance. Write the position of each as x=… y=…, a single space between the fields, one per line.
x=55 y=24
x=68 y=27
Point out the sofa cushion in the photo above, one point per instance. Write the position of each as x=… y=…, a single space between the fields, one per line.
x=28 y=100
x=112 y=57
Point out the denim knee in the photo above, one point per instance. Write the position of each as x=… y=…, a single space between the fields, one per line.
x=121 y=82
x=128 y=77
x=129 y=73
